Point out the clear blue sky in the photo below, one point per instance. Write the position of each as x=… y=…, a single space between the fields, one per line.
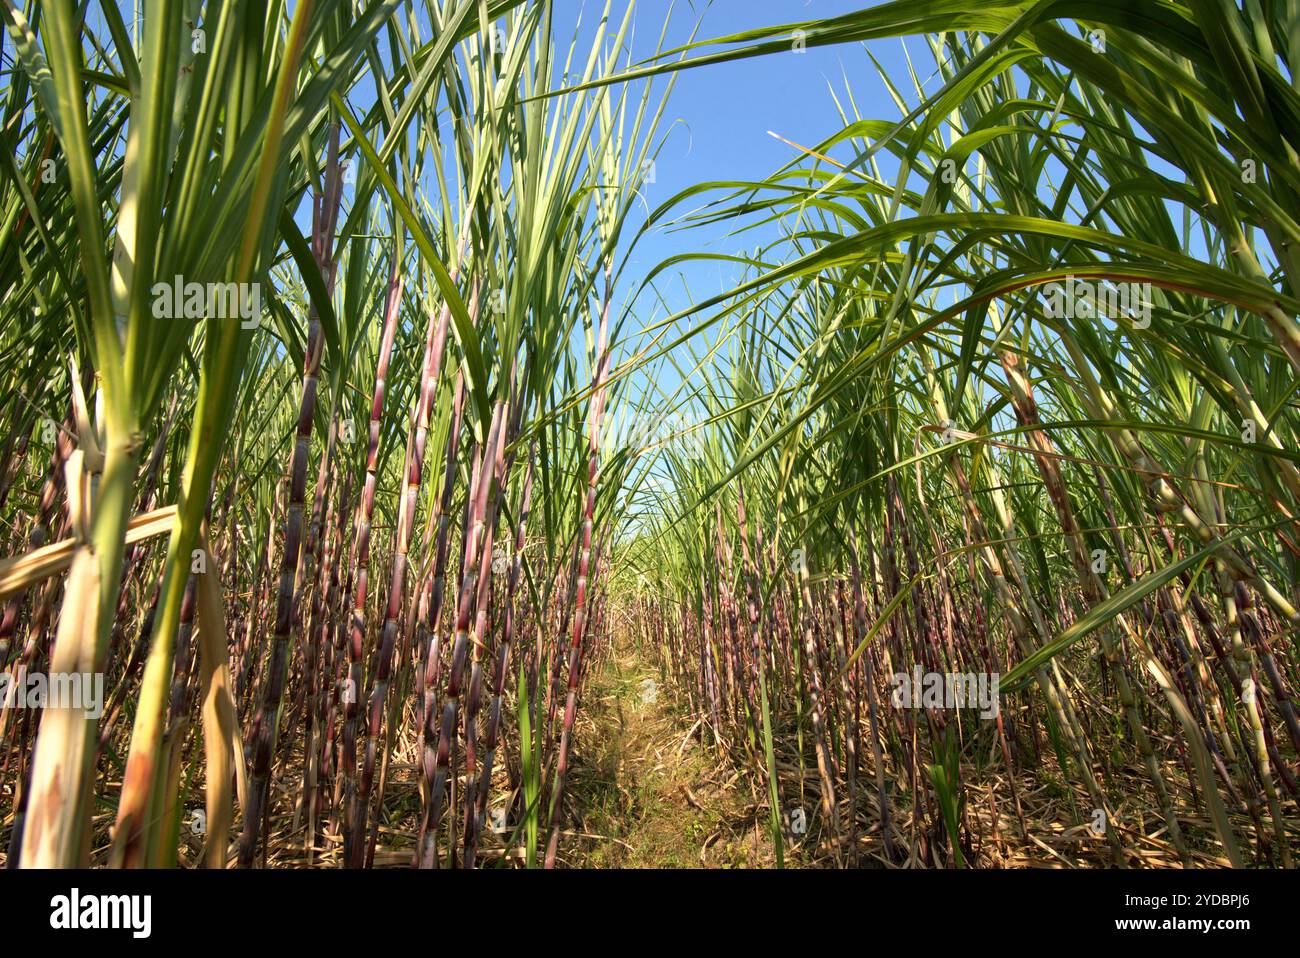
x=719 y=115
x=716 y=125
x=717 y=122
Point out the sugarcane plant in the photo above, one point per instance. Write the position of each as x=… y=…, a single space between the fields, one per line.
x=340 y=429
x=1049 y=387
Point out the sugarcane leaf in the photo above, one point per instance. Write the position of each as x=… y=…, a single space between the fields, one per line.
x=1105 y=611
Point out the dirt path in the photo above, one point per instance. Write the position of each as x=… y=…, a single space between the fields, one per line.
x=650 y=795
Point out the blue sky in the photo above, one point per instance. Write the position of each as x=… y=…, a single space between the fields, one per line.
x=719 y=115
x=717 y=122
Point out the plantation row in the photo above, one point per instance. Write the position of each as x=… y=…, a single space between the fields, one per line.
x=297 y=538
x=336 y=457
x=1012 y=422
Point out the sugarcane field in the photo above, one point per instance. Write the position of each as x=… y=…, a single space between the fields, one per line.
x=624 y=434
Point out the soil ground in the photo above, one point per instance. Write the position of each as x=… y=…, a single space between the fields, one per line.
x=650 y=794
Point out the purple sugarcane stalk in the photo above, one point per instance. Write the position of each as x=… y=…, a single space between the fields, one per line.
x=435 y=344
x=324 y=218
x=580 y=596
x=501 y=469
x=503 y=652
x=464 y=605
x=350 y=692
x=425 y=856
